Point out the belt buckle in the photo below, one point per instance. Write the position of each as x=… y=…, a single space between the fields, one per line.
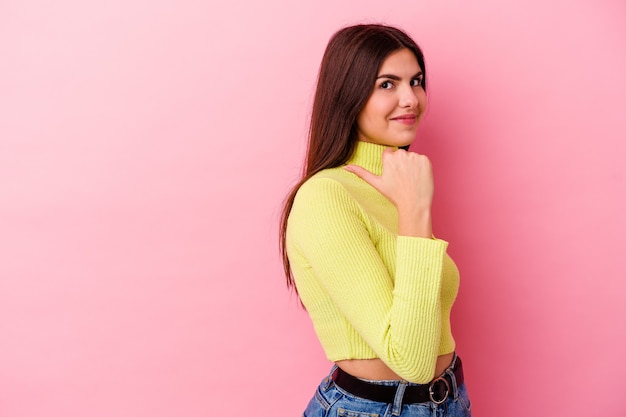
x=431 y=391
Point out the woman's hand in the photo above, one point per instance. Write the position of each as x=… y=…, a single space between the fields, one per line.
x=406 y=181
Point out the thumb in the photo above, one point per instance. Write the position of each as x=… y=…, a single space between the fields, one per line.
x=364 y=174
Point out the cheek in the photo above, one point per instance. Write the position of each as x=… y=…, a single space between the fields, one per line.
x=369 y=117
x=381 y=109
x=363 y=122
x=423 y=100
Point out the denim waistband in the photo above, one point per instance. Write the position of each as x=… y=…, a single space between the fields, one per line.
x=397 y=382
x=400 y=387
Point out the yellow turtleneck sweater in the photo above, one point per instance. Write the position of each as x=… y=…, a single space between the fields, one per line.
x=369 y=292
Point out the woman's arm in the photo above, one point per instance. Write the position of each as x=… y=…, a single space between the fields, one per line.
x=407 y=181
x=397 y=313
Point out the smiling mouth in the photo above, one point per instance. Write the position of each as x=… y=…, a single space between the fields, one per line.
x=406 y=118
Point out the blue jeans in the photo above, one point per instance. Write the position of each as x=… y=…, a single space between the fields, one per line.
x=331 y=401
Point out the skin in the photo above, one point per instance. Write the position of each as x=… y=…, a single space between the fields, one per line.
x=390 y=117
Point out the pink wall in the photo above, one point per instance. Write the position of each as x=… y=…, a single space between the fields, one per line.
x=144 y=151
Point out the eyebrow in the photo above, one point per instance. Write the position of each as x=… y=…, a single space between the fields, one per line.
x=396 y=78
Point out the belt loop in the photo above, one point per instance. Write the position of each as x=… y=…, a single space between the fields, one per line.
x=450 y=373
x=328 y=381
x=455 y=389
x=397 y=400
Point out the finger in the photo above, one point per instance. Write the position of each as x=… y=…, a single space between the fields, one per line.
x=388 y=151
x=364 y=174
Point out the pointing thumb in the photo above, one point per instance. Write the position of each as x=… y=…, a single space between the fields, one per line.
x=363 y=174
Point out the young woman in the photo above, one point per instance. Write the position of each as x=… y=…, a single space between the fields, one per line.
x=357 y=239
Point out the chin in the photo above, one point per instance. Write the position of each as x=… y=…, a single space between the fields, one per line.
x=405 y=143
x=404 y=138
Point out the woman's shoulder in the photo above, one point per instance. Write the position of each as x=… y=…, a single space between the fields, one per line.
x=339 y=185
x=324 y=201
x=328 y=182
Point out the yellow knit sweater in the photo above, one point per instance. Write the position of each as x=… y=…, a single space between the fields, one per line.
x=370 y=293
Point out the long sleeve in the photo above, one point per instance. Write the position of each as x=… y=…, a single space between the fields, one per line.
x=386 y=287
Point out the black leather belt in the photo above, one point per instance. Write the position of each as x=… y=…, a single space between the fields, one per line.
x=436 y=391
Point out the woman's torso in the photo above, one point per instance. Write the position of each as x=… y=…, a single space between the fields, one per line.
x=347 y=261
x=375 y=369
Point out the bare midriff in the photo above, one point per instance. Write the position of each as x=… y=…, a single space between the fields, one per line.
x=375 y=369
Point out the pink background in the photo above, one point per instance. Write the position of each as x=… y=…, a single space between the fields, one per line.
x=145 y=148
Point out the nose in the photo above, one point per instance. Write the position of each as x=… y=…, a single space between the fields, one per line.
x=408 y=99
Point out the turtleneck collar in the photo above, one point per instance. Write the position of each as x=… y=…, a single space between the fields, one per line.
x=369 y=156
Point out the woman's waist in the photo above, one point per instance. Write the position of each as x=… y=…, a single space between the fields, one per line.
x=376 y=370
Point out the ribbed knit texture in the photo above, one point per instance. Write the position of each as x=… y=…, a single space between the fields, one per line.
x=369 y=292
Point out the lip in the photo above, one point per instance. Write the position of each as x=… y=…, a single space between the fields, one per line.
x=406 y=118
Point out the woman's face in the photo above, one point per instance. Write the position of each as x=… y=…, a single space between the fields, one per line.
x=397 y=104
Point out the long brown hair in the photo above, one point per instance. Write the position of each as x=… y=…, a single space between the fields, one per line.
x=345 y=82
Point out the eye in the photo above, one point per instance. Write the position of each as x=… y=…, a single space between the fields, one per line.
x=416 y=82
x=386 y=85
